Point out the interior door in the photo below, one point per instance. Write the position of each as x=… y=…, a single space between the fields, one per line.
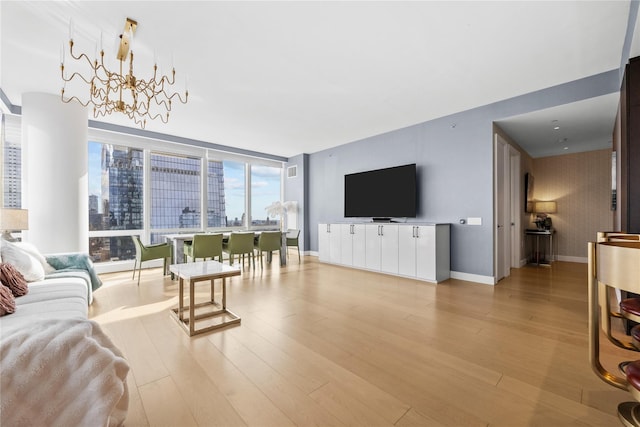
x=502 y=209
x=516 y=207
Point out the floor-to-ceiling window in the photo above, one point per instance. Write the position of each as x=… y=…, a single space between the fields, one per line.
x=216 y=200
x=234 y=193
x=152 y=188
x=265 y=190
x=175 y=194
x=116 y=190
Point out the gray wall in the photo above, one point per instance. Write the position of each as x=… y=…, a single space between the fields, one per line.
x=454 y=155
x=455 y=164
x=297 y=189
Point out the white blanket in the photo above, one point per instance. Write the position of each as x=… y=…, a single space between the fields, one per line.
x=61 y=373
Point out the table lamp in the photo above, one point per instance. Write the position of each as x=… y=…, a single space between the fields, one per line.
x=542 y=211
x=13 y=220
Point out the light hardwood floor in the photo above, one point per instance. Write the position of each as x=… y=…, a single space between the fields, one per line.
x=330 y=346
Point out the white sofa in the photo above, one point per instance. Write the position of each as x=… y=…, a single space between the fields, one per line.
x=58 y=367
x=60 y=298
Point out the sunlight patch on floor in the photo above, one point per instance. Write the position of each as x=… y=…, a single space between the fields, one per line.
x=130 y=312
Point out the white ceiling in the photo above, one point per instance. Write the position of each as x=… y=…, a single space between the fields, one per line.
x=297 y=77
x=581 y=126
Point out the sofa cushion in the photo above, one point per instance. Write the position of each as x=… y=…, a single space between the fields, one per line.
x=63 y=298
x=69 y=273
x=34 y=252
x=26 y=263
x=7 y=301
x=13 y=279
x=63 y=308
x=55 y=289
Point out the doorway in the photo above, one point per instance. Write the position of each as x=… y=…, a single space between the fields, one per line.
x=507 y=236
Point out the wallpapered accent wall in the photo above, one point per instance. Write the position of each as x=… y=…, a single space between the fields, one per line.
x=581 y=185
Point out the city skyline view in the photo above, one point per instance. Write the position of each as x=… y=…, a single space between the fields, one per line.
x=116 y=191
x=265 y=186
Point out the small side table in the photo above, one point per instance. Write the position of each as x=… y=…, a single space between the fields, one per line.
x=193 y=272
x=548 y=234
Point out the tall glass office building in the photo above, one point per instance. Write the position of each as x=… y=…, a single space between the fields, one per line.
x=115 y=199
x=216 y=212
x=12 y=166
x=175 y=187
x=175 y=192
x=122 y=188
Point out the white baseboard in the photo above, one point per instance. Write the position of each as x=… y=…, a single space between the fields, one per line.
x=582 y=260
x=485 y=280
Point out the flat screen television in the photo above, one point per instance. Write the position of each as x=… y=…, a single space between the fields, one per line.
x=381 y=194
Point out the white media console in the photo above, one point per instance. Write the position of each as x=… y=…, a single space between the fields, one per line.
x=419 y=251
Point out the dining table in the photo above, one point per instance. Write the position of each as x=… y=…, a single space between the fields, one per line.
x=177 y=240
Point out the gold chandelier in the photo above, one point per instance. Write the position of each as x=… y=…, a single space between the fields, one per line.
x=112 y=91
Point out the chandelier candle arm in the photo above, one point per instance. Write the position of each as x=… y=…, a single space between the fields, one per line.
x=134 y=95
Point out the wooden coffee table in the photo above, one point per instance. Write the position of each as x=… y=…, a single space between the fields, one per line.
x=208 y=311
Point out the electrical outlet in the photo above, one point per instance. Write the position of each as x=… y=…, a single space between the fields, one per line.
x=474 y=221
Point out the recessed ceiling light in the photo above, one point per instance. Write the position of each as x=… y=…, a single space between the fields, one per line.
x=566 y=148
x=556 y=128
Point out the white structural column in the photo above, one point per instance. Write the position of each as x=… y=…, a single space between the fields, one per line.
x=55 y=162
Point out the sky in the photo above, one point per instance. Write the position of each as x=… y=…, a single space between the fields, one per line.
x=265 y=189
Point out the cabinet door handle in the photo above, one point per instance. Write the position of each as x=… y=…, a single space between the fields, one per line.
x=353 y=229
x=417 y=231
x=328 y=228
x=382 y=230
